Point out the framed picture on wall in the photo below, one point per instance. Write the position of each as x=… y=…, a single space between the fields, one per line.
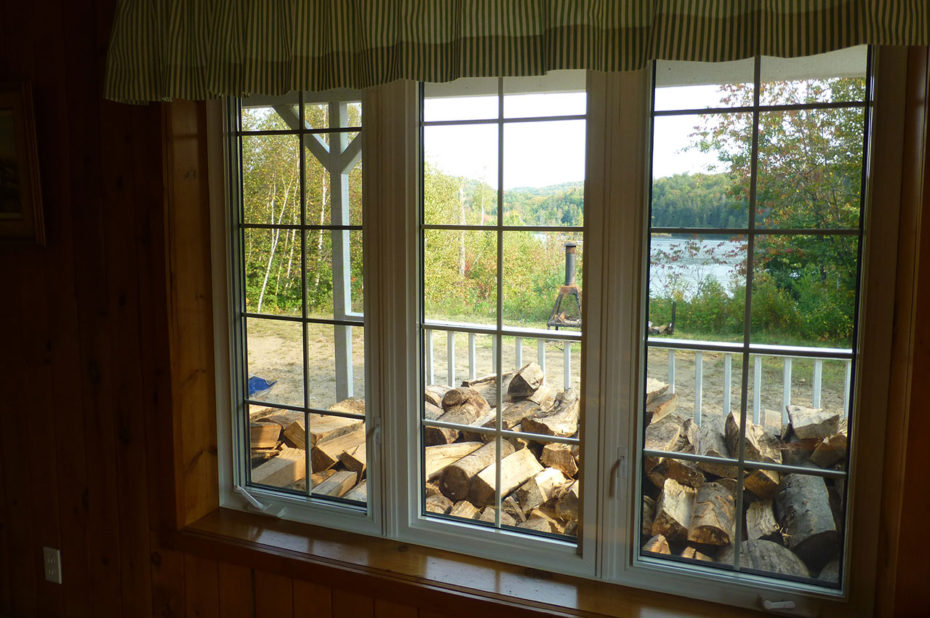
x=21 y=218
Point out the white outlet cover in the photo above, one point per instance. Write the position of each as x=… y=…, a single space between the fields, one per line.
x=52 y=564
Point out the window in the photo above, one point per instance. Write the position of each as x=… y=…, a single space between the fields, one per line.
x=547 y=359
x=755 y=235
x=501 y=262
x=300 y=291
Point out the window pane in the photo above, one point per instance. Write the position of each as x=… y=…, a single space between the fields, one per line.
x=693 y=385
x=701 y=85
x=276 y=459
x=317 y=108
x=271 y=179
x=810 y=169
x=462 y=99
x=275 y=361
x=804 y=290
x=697 y=287
x=267 y=113
x=544 y=173
x=794 y=533
x=460 y=175
x=338 y=455
x=460 y=276
x=333 y=178
x=837 y=76
x=335 y=275
x=699 y=179
x=335 y=366
x=536 y=291
x=557 y=93
x=272 y=262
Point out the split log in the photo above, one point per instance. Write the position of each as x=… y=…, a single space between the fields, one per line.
x=760 y=444
x=766 y=556
x=515 y=470
x=464 y=510
x=488 y=419
x=337 y=485
x=661 y=406
x=709 y=441
x=351 y=405
x=649 y=514
x=654 y=389
x=316 y=478
x=275 y=415
x=487 y=387
x=685 y=472
x=512 y=508
x=561 y=420
x=359 y=493
x=326 y=453
x=456 y=478
x=796 y=452
x=288 y=467
x=264 y=434
x=539 y=489
x=559 y=456
x=691 y=553
x=673 y=511
x=461 y=405
x=543 y=522
x=438 y=457
x=515 y=413
x=802 y=505
x=435 y=392
x=657 y=545
x=431 y=411
x=526 y=380
x=355 y=459
x=431 y=489
x=813 y=422
x=760 y=521
x=762 y=483
x=661 y=436
x=566 y=507
x=438 y=504
x=830 y=450
x=713 y=519
x=488 y=513
x=322 y=428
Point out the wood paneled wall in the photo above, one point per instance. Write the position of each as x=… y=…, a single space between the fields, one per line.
x=85 y=363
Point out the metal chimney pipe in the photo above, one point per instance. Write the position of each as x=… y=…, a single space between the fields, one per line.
x=571 y=249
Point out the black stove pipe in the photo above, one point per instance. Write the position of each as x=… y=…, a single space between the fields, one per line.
x=571 y=249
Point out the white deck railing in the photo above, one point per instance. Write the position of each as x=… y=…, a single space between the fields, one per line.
x=758 y=412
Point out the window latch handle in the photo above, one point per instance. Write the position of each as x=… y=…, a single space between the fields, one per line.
x=615 y=476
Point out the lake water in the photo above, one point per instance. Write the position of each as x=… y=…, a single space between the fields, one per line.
x=680 y=264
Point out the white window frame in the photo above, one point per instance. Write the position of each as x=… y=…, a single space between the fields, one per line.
x=617 y=169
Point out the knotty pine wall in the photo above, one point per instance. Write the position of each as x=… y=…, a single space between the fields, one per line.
x=84 y=369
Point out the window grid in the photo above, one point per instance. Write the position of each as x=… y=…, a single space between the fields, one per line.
x=747 y=349
x=499 y=330
x=351 y=320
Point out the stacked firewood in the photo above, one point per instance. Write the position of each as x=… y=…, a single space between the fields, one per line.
x=539 y=479
x=337 y=451
x=792 y=523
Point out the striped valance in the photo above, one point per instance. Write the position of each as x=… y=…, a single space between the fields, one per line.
x=196 y=49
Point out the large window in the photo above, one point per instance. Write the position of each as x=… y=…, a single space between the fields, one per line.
x=754 y=245
x=501 y=267
x=545 y=356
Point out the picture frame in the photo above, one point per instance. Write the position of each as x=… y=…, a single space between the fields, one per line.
x=21 y=214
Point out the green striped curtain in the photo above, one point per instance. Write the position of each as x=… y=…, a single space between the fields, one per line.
x=197 y=49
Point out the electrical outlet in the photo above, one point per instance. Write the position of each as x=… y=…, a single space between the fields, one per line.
x=52 y=562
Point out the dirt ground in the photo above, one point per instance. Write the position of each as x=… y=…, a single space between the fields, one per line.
x=275 y=353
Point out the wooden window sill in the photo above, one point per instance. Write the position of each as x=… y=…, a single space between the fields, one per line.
x=411 y=574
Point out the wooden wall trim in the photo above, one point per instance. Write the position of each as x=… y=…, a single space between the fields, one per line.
x=901 y=575
x=190 y=313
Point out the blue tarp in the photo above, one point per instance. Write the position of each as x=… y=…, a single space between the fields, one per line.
x=258 y=387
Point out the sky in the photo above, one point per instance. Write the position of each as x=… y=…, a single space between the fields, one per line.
x=543 y=153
